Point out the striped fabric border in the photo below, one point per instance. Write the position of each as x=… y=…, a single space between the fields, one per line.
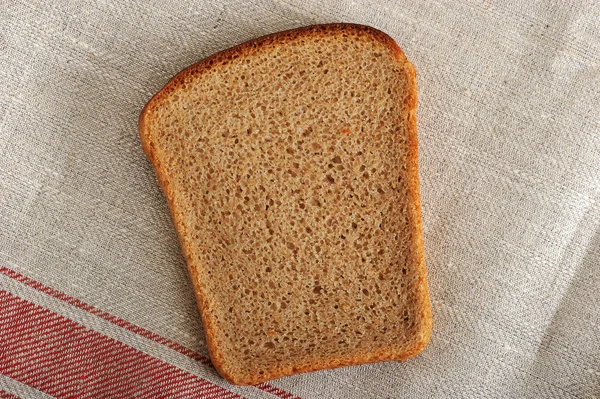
x=126 y=325
x=7 y=395
x=66 y=360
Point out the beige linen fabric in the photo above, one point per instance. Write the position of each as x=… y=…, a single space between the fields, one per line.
x=509 y=130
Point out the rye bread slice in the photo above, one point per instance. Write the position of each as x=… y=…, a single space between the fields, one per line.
x=290 y=167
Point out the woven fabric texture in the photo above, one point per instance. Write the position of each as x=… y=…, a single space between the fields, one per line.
x=94 y=295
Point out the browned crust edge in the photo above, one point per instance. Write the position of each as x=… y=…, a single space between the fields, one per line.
x=413 y=188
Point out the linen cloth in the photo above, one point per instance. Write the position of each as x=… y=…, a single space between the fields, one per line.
x=94 y=295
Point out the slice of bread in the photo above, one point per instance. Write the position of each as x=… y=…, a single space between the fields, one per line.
x=290 y=166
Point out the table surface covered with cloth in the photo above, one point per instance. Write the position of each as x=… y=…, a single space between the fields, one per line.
x=95 y=300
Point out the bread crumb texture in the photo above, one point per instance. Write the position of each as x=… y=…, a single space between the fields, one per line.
x=289 y=164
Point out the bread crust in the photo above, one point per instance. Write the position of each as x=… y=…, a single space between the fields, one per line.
x=414 y=209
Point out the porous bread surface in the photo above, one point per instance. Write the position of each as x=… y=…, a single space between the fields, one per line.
x=289 y=164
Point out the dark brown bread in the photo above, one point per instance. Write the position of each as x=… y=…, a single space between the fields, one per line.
x=290 y=167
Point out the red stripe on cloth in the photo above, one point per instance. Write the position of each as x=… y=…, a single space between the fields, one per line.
x=128 y=326
x=67 y=360
x=7 y=395
x=104 y=315
x=276 y=391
